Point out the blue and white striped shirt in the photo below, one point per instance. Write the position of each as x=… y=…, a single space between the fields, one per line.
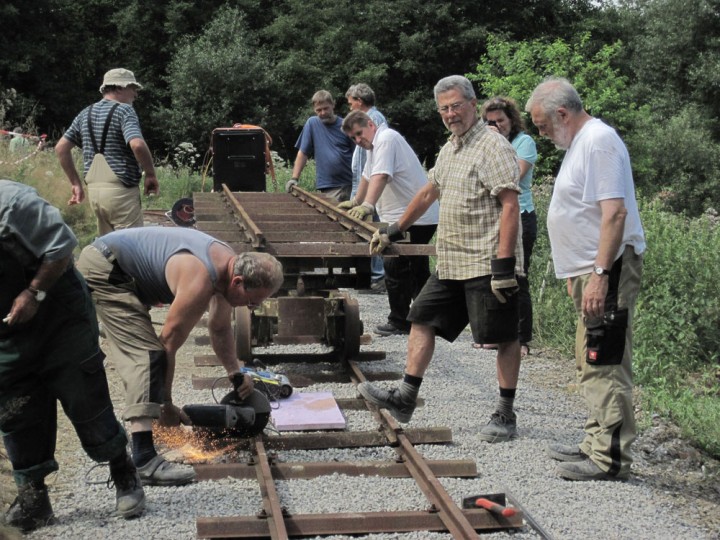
x=124 y=127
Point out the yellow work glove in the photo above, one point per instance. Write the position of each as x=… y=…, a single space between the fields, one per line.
x=347 y=205
x=383 y=237
x=362 y=212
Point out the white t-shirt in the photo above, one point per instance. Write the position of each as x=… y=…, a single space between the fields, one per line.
x=596 y=167
x=392 y=155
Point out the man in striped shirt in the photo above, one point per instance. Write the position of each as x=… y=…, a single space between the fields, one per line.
x=114 y=154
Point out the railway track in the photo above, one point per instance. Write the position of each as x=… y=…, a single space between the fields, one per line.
x=322 y=250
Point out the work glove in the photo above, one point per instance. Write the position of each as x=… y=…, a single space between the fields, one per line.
x=363 y=212
x=383 y=237
x=347 y=205
x=290 y=183
x=172 y=415
x=242 y=384
x=503 y=282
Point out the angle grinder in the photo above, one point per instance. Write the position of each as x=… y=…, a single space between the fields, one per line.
x=232 y=416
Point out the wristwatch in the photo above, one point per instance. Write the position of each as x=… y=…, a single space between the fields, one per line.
x=38 y=294
x=600 y=271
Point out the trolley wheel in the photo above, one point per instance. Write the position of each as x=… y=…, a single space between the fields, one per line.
x=243 y=334
x=353 y=328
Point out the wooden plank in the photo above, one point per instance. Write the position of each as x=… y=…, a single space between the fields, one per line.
x=298 y=470
x=207 y=360
x=350 y=523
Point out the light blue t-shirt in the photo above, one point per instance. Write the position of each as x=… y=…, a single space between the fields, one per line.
x=526 y=150
x=332 y=150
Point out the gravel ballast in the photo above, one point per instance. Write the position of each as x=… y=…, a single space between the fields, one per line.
x=460 y=391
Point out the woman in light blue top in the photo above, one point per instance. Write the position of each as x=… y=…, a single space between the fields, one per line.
x=503 y=114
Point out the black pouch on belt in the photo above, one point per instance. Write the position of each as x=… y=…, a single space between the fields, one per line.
x=605 y=338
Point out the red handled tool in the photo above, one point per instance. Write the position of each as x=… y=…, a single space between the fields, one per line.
x=495 y=508
x=492 y=502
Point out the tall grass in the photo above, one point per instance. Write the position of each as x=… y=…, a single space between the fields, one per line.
x=676 y=340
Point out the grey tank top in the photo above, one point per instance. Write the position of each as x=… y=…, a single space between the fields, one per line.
x=143 y=252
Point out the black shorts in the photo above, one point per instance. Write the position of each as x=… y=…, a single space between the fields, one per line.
x=449 y=304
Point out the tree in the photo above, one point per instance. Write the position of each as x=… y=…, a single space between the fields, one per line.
x=514 y=69
x=216 y=80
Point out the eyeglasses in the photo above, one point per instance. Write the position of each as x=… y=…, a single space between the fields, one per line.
x=455 y=107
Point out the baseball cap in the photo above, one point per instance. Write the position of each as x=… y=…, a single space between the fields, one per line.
x=120 y=77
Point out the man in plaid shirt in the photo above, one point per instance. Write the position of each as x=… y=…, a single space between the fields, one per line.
x=479 y=254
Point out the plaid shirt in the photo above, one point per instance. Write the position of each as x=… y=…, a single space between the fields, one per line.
x=469 y=173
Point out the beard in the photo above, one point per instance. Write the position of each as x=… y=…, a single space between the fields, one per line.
x=561 y=138
x=329 y=120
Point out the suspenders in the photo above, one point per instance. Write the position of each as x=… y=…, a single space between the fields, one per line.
x=106 y=128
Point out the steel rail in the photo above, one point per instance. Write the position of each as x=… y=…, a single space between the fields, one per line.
x=338 y=215
x=449 y=512
x=271 y=501
x=250 y=228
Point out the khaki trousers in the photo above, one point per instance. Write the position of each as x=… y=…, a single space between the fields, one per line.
x=610 y=428
x=129 y=330
x=116 y=206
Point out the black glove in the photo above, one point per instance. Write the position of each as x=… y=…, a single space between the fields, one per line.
x=290 y=183
x=383 y=237
x=503 y=282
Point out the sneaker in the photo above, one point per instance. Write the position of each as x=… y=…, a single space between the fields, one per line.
x=388 y=399
x=129 y=493
x=563 y=452
x=584 y=470
x=389 y=329
x=500 y=428
x=31 y=508
x=376 y=287
x=160 y=472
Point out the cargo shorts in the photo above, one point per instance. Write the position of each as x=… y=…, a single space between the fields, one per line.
x=448 y=305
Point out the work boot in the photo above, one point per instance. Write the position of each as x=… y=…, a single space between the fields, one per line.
x=500 y=428
x=398 y=403
x=389 y=329
x=563 y=452
x=129 y=493
x=586 y=469
x=160 y=472
x=31 y=508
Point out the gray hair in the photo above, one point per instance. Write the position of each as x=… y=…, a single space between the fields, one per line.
x=451 y=83
x=259 y=270
x=322 y=96
x=362 y=92
x=355 y=118
x=553 y=93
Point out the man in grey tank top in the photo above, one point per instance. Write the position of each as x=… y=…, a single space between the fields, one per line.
x=132 y=269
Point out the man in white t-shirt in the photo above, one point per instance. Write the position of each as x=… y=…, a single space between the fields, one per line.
x=391 y=178
x=597 y=244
